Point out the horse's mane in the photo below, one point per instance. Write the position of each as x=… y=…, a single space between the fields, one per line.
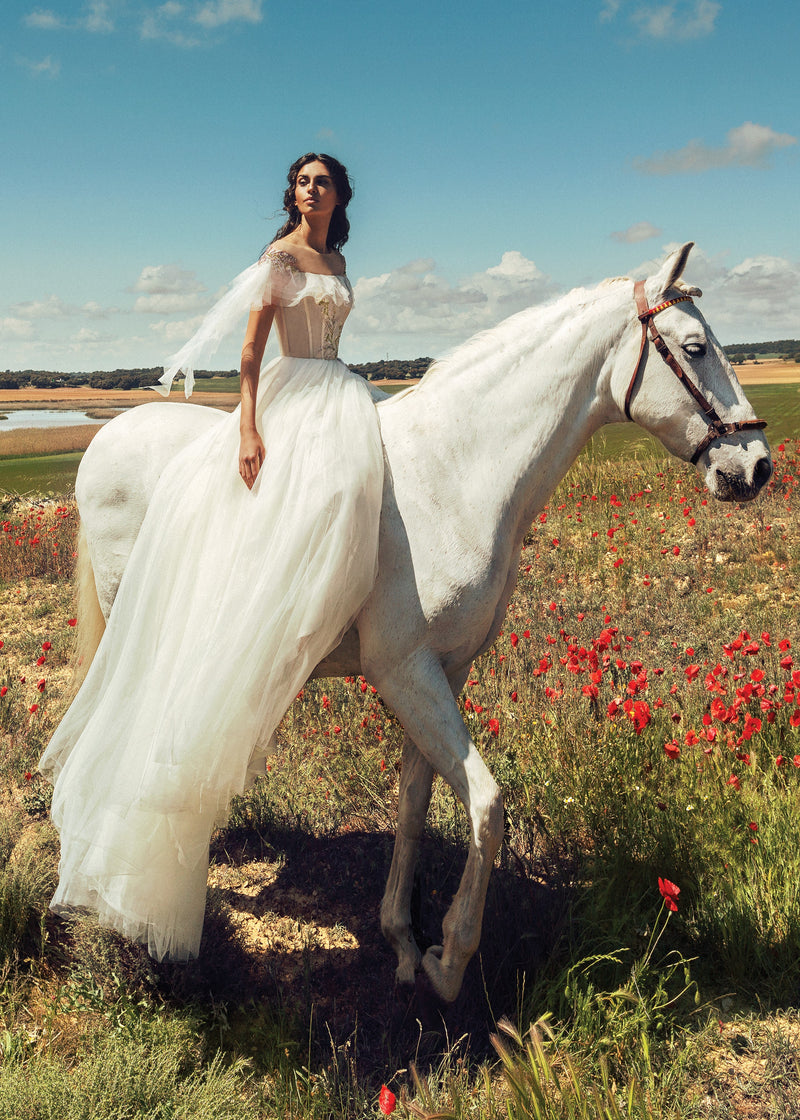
x=547 y=315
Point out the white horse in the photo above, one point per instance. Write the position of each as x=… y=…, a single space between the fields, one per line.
x=473 y=454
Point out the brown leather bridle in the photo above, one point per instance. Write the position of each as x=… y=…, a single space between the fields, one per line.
x=716 y=427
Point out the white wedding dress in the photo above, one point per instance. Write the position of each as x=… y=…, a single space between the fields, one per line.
x=229 y=600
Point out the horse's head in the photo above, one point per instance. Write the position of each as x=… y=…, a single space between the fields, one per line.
x=684 y=390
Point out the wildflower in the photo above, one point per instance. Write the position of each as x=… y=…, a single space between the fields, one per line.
x=46 y=646
x=672 y=750
x=326 y=701
x=669 y=892
x=28 y=776
x=41 y=685
x=796 y=760
x=753 y=826
x=72 y=622
x=3 y=690
x=780 y=760
x=514 y=640
x=387 y=1101
x=494 y=727
x=41 y=660
x=734 y=781
x=33 y=708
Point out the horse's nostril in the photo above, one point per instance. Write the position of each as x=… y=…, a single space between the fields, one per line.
x=762 y=471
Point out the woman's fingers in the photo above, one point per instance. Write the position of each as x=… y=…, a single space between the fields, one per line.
x=250 y=464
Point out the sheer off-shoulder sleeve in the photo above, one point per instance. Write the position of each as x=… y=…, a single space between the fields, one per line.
x=272 y=280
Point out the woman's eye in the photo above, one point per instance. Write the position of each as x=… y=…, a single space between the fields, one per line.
x=695 y=349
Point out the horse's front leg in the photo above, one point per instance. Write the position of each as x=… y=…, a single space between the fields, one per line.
x=416 y=777
x=420 y=694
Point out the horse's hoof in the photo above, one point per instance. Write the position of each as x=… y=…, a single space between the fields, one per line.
x=444 y=983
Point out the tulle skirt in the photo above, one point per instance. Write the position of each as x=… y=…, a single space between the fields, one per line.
x=229 y=600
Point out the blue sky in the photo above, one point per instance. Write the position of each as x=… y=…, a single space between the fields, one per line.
x=502 y=153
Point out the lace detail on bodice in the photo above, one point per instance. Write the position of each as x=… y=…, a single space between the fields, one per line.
x=309 y=323
x=310 y=310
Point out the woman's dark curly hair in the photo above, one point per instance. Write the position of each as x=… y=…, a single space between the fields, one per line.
x=339 y=229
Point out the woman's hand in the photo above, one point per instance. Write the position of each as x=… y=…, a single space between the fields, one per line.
x=251 y=456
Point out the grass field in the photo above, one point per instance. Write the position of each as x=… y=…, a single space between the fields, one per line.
x=641 y=712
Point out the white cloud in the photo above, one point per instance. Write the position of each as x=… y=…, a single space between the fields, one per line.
x=157 y=279
x=15 y=328
x=609 y=10
x=95 y=17
x=758 y=298
x=749 y=145
x=43 y=19
x=170 y=303
x=215 y=13
x=54 y=307
x=176 y=330
x=45 y=67
x=414 y=301
x=639 y=231
x=178 y=22
x=676 y=20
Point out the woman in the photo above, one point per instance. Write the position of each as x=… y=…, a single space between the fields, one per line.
x=238 y=585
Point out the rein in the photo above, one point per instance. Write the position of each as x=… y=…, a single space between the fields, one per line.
x=716 y=427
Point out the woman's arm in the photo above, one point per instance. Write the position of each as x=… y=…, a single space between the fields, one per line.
x=251 y=446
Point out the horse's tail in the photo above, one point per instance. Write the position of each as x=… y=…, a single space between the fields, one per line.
x=91 y=622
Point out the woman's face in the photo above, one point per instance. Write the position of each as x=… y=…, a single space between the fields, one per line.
x=314 y=192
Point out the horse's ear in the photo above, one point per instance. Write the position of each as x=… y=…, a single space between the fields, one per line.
x=672 y=269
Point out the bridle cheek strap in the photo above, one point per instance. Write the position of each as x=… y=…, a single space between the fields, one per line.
x=716 y=427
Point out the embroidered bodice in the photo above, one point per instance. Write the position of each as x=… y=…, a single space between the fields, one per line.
x=310 y=310
x=310 y=307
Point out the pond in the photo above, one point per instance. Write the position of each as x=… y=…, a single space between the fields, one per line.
x=45 y=418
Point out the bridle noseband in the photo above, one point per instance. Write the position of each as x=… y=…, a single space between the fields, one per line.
x=716 y=426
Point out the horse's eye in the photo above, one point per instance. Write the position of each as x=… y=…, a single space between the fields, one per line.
x=695 y=349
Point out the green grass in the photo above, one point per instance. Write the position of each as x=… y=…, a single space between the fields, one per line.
x=40 y=474
x=635 y=589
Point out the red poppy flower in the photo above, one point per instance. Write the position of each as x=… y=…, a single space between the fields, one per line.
x=669 y=892
x=46 y=646
x=41 y=685
x=734 y=781
x=672 y=750
x=387 y=1101
x=72 y=622
x=33 y=708
x=494 y=727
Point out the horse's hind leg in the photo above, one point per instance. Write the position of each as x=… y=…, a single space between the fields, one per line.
x=416 y=776
x=420 y=694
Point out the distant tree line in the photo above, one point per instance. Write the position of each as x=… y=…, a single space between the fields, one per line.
x=391 y=369
x=786 y=348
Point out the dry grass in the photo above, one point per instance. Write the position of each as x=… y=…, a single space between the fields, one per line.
x=46 y=441
x=771 y=371
x=83 y=397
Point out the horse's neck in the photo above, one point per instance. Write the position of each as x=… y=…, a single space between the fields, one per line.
x=512 y=411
